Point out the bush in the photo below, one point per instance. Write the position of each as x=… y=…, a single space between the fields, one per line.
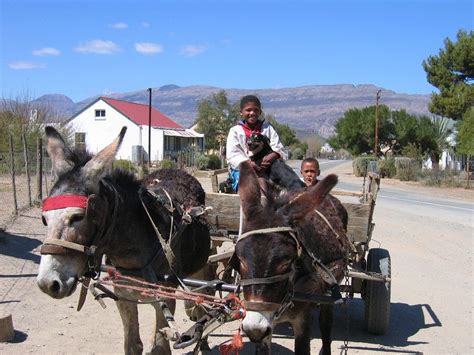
x=214 y=162
x=123 y=164
x=408 y=169
x=386 y=168
x=362 y=164
x=445 y=177
x=167 y=164
x=297 y=153
x=202 y=161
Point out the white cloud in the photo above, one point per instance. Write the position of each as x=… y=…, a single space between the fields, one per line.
x=145 y=24
x=46 y=51
x=119 y=25
x=25 y=65
x=192 y=50
x=97 y=46
x=148 y=48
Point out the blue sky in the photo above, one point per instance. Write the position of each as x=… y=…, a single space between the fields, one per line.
x=86 y=48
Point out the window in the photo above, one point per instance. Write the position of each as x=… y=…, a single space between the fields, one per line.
x=80 y=140
x=100 y=114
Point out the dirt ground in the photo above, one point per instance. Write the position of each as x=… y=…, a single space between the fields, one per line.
x=432 y=291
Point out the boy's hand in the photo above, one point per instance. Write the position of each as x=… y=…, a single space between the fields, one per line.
x=268 y=160
x=258 y=169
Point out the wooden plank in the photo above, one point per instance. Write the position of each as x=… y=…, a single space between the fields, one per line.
x=225 y=213
x=336 y=192
x=357 y=209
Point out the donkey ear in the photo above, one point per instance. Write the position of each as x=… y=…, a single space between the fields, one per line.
x=307 y=201
x=249 y=191
x=101 y=163
x=57 y=150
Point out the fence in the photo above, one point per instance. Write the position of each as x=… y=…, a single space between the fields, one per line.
x=25 y=177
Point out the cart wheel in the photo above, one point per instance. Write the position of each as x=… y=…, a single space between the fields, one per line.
x=377 y=294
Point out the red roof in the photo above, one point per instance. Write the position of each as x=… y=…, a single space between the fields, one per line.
x=138 y=113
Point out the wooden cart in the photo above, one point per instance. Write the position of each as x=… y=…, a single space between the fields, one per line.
x=369 y=269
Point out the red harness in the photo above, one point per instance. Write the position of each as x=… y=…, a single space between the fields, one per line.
x=63 y=201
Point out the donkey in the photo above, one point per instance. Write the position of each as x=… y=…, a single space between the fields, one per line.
x=93 y=210
x=287 y=246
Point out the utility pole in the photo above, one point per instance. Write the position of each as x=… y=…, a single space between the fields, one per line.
x=149 y=127
x=376 y=145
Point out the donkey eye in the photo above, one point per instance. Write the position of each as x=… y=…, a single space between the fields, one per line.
x=76 y=218
x=44 y=221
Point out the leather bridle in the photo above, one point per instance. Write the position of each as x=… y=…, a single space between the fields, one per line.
x=94 y=252
x=287 y=300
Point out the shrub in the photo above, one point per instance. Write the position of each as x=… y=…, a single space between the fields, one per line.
x=123 y=164
x=202 y=161
x=297 y=153
x=214 y=162
x=408 y=169
x=445 y=177
x=362 y=164
x=386 y=168
x=167 y=164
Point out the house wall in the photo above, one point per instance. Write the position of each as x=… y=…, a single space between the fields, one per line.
x=102 y=131
x=156 y=142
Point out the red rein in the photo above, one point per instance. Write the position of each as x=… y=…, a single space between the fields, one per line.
x=64 y=201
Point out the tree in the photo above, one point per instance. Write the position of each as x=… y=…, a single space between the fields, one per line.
x=215 y=117
x=287 y=135
x=439 y=139
x=465 y=138
x=355 y=131
x=452 y=73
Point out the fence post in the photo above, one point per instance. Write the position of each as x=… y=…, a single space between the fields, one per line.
x=39 y=170
x=12 y=167
x=27 y=167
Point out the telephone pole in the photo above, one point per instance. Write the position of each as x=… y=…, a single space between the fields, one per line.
x=376 y=145
x=149 y=127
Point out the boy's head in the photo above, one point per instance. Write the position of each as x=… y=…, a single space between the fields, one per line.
x=310 y=171
x=250 y=109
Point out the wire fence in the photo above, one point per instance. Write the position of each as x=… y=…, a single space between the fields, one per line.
x=25 y=177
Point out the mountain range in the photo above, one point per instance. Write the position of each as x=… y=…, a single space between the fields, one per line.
x=306 y=109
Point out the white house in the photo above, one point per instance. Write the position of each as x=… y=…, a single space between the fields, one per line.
x=100 y=122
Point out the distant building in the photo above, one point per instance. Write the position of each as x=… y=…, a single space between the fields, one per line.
x=100 y=122
x=326 y=148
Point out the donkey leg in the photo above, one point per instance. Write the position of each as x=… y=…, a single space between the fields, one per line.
x=302 y=330
x=129 y=314
x=325 y=325
x=160 y=344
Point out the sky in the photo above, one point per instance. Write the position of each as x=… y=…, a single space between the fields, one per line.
x=87 y=48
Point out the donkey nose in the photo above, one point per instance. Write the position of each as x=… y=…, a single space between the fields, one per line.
x=54 y=287
x=256 y=326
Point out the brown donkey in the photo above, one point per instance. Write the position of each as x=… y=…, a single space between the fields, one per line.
x=287 y=246
x=93 y=210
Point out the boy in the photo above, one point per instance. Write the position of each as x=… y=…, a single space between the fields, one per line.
x=237 y=149
x=310 y=171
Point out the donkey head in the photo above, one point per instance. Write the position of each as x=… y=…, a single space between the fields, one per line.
x=73 y=213
x=268 y=249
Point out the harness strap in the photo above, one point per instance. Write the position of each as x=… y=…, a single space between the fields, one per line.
x=323 y=217
x=265 y=280
x=65 y=244
x=169 y=254
x=290 y=231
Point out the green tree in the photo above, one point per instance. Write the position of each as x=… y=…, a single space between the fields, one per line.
x=215 y=117
x=465 y=136
x=287 y=135
x=439 y=140
x=452 y=73
x=355 y=131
